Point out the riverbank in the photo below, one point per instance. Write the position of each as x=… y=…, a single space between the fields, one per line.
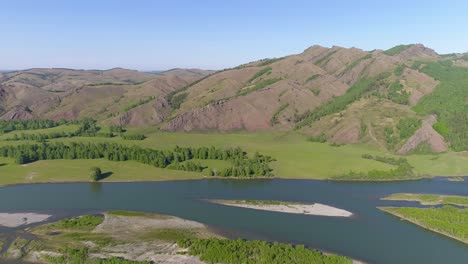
x=286 y=207
x=296 y=158
x=140 y=237
x=20 y=219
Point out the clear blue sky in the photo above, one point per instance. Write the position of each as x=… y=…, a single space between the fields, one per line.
x=214 y=34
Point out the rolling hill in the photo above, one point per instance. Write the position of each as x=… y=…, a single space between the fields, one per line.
x=407 y=99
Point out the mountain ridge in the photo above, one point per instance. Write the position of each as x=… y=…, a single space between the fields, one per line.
x=346 y=95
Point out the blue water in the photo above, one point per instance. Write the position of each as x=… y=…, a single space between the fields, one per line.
x=371 y=235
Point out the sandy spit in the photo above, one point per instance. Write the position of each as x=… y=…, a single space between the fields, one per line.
x=305 y=209
x=19 y=219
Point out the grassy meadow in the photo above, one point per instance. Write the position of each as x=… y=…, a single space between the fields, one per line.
x=295 y=158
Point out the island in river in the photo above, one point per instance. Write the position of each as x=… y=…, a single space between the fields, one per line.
x=287 y=207
x=141 y=238
x=450 y=220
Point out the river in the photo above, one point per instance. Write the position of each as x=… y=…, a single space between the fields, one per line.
x=370 y=235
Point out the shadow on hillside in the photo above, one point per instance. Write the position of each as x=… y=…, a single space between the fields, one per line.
x=105 y=175
x=2 y=164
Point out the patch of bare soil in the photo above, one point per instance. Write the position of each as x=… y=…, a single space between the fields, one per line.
x=156 y=252
x=125 y=226
x=30 y=176
x=129 y=228
x=426 y=134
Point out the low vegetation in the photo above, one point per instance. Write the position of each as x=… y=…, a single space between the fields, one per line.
x=396 y=50
x=340 y=103
x=398 y=71
x=83 y=223
x=403 y=171
x=265 y=62
x=81 y=256
x=261 y=202
x=325 y=58
x=259 y=73
x=448 y=220
x=397 y=94
x=177 y=100
x=313 y=77
x=258 y=86
x=356 y=63
x=170 y=96
x=388 y=160
x=429 y=199
x=322 y=138
x=140 y=102
x=133 y=136
x=276 y=114
x=249 y=252
x=408 y=126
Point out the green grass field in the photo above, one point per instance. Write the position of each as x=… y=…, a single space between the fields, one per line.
x=296 y=158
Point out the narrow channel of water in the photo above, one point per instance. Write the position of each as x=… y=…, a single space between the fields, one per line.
x=371 y=235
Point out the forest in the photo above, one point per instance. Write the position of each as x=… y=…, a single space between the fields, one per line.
x=241 y=164
x=448 y=102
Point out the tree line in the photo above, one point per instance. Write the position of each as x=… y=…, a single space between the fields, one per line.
x=242 y=165
x=87 y=128
x=13 y=125
x=214 y=250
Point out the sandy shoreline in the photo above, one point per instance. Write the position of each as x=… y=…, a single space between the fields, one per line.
x=292 y=208
x=19 y=219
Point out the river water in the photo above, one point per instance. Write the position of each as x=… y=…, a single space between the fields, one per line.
x=370 y=235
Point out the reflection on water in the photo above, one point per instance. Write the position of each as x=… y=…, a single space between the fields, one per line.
x=95 y=187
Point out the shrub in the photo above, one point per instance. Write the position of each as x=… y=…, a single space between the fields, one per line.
x=95 y=173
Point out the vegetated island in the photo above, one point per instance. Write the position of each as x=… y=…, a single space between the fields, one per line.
x=448 y=220
x=429 y=199
x=287 y=207
x=121 y=237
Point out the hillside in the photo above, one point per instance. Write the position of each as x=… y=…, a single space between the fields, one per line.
x=407 y=99
x=116 y=95
x=384 y=98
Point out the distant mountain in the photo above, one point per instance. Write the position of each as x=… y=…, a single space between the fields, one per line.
x=109 y=96
x=405 y=99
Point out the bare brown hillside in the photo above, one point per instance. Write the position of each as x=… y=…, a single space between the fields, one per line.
x=346 y=95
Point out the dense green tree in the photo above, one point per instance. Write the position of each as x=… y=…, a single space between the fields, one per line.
x=95 y=173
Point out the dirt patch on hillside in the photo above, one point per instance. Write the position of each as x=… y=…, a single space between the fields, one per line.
x=426 y=134
x=418 y=84
x=18 y=113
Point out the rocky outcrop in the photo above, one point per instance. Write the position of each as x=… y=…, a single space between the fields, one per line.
x=418 y=51
x=152 y=113
x=19 y=112
x=426 y=134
